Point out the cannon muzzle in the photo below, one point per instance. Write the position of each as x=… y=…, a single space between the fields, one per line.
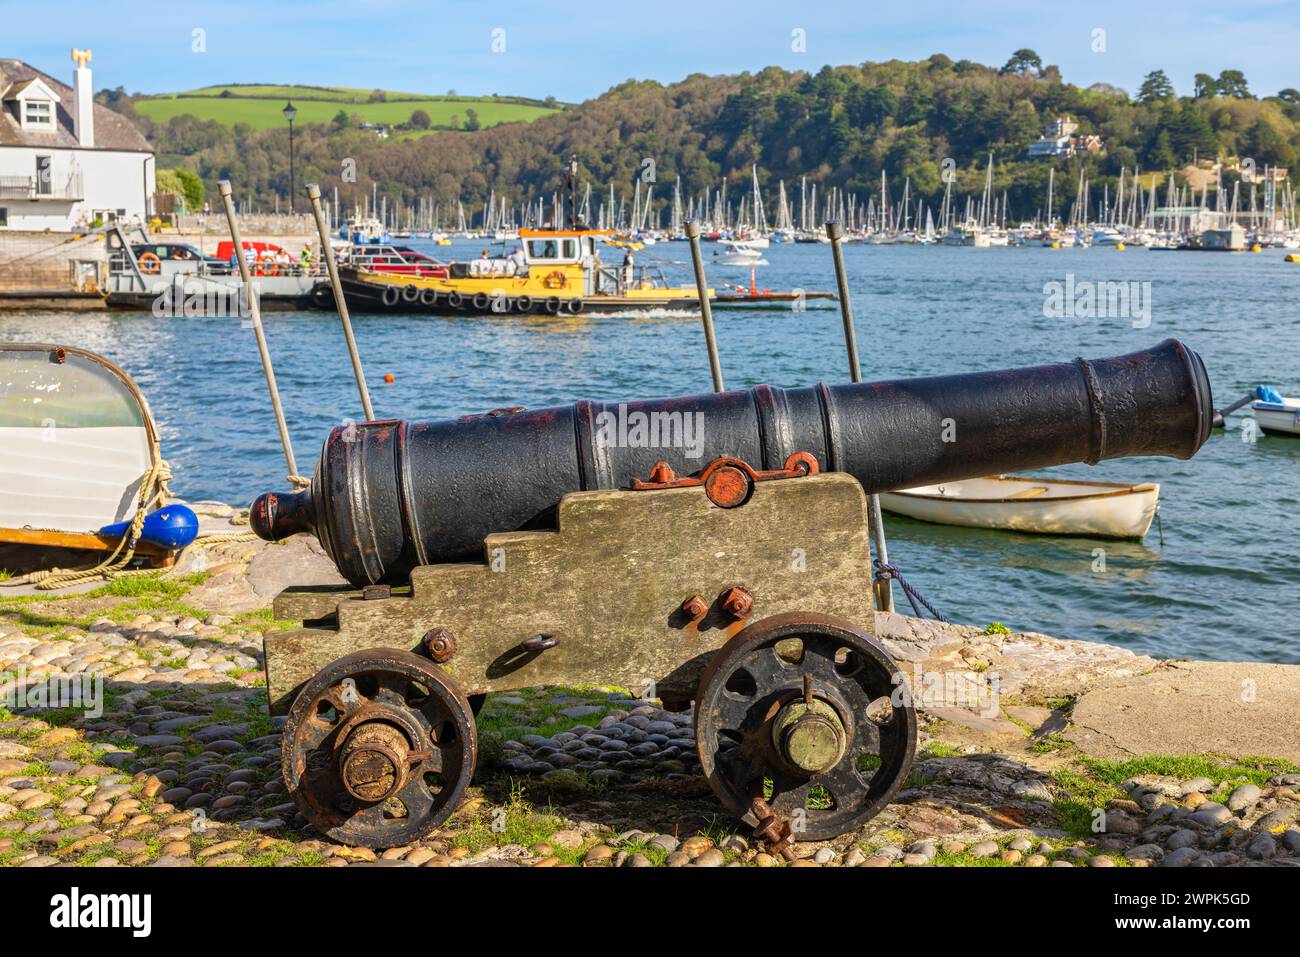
x=392 y=494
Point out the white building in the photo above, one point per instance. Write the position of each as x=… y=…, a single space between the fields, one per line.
x=64 y=160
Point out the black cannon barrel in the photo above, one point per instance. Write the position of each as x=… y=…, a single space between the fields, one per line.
x=389 y=495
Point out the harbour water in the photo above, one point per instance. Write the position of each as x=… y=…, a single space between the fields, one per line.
x=1225 y=583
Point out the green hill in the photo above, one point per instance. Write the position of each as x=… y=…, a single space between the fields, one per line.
x=260 y=106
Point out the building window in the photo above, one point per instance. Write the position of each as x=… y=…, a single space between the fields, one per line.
x=38 y=113
x=4 y=216
x=44 y=175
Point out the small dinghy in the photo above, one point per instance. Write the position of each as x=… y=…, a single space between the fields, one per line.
x=1276 y=414
x=79 y=443
x=1028 y=504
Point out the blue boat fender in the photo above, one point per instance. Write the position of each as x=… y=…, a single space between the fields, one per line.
x=171 y=527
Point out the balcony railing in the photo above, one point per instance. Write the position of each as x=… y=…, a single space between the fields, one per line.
x=31 y=187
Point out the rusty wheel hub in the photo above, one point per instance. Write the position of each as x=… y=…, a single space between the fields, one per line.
x=800 y=728
x=379 y=748
x=373 y=761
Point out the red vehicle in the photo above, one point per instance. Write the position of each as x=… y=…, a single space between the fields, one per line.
x=264 y=259
x=403 y=260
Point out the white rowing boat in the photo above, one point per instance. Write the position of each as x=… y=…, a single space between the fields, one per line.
x=1028 y=504
x=77 y=439
x=1278 y=417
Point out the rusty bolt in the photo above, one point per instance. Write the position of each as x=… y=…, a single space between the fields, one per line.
x=440 y=645
x=695 y=608
x=737 y=602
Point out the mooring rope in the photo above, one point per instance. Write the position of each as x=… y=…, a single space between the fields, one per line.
x=887 y=570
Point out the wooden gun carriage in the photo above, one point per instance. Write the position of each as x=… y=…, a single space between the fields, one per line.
x=514 y=550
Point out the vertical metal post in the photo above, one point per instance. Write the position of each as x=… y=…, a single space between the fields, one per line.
x=255 y=312
x=706 y=311
x=835 y=233
x=340 y=304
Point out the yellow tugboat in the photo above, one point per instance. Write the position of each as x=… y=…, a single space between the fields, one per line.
x=554 y=270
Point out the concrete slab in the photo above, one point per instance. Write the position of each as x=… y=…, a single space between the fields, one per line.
x=1191 y=707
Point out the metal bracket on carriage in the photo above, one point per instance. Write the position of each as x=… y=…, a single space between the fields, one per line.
x=768 y=826
x=728 y=481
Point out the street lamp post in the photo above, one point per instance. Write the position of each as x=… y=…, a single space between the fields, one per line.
x=290 y=113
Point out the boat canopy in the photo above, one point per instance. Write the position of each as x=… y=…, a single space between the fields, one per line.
x=78 y=439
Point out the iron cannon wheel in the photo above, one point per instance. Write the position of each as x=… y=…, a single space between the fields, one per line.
x=378 y=748
x=826 y=767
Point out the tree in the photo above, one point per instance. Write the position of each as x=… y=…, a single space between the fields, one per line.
x=471 y=120
x=340 y=121
x=192 y=185
x=1289 y=95
x=1233 y=83
x=1206 y=86
x=420 y=120
x=1161 y=153
x=1155 y=86
x=378 y=96
x=183 y=182
x=1023 y=62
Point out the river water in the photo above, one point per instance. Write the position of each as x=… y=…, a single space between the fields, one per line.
x=1225 y=584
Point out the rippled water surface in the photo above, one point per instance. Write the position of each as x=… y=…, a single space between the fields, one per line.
x=1225 y=583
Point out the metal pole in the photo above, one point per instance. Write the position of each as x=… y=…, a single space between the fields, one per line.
x=706 y=311
x=291 y=176
x=834 y=232
x=255 y=312
x=327 y=251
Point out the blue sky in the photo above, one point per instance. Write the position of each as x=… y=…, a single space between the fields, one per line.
x=576 y=50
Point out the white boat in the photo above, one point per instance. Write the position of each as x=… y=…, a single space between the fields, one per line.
x=77 y=438
x=738 y=254
x=1029 y=504
x=1282 y=418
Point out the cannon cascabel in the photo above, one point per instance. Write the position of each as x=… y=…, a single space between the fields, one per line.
x=392 y=494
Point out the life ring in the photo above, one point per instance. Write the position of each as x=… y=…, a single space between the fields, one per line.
x=150 y=264
x=481 y=300
x=524 y=304
x=455 y=299
x=410 y=293
x=555 y=280
x=573 y=306
x=391 y=295
x=267 y=266
x=552 y=304
x=428 y=297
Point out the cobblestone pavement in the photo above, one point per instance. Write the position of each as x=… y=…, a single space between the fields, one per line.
x=177 y=764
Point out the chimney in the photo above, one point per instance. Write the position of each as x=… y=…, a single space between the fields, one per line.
x=83 y=100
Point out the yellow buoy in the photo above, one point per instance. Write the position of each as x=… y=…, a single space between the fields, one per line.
x=1056 y=245
x=1119 y=247
x=1293 y=258
x=1256 y=248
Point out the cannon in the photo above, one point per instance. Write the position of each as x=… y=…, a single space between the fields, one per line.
x=712 y=550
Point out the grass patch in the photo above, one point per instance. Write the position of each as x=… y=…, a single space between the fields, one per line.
x=514 y=822
x=937 y=749
x=1091 y=784
x=1049 y=743
x=265 y=113
x=1255 y=769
